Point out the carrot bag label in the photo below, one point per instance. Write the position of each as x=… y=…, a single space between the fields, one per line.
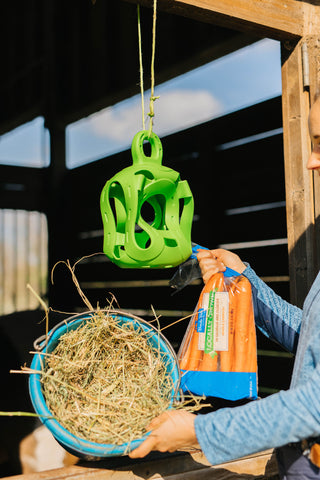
x=218 y=354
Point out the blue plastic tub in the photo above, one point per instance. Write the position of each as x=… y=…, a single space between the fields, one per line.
x=73 y=444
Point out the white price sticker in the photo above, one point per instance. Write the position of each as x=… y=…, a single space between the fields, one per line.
x=221 y=321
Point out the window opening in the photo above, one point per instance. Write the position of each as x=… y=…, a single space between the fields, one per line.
x=26 y=145
x=245 y=77
x=23 y=259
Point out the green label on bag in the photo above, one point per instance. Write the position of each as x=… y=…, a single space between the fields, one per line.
x=209 y=338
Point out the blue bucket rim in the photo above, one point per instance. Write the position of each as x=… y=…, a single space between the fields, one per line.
x=69 y=441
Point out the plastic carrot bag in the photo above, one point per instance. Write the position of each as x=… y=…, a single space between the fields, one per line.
x=218 y=354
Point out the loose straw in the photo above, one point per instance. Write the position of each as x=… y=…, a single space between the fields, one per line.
x=44 y=306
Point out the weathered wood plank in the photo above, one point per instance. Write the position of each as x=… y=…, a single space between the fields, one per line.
x=312 y=44
x=299 y=185
x=269 y=18
x=181 y=467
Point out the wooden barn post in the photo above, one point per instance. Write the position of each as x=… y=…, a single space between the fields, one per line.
x=298 y=181
x=312 y=50
x=300 y=77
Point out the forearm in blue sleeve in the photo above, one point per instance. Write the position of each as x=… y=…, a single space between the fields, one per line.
x=287 y=416
x=277 y=319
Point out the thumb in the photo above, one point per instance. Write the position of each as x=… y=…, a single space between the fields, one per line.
x=146 y=447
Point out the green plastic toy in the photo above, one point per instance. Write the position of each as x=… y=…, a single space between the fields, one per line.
x=147 y=211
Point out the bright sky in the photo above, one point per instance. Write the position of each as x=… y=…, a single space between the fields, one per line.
x=248 y=76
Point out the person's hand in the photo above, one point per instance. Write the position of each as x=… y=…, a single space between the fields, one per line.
x=214 y=261
x=172 y=430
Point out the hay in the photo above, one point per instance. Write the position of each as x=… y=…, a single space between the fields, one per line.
x=105 y=382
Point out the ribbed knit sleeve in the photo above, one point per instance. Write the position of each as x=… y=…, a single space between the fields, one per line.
x=277 y=319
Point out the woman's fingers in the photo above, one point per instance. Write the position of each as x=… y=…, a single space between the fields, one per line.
x=171 y=431
x=230 y=259
x=213 y=261
x=157 y=421
x=203 y=254
x=145 y=448
x=209 y=264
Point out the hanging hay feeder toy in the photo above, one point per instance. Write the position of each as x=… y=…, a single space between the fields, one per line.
x=99 y=378
x=147 y=210
x=130 y=239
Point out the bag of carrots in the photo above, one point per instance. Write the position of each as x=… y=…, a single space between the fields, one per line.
x=218 y=354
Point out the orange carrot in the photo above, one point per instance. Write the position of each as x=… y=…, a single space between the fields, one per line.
x=184 y=363
x=252 y=343
x=185 y=345
x=184 y=353
x=208 y=363
x=243 y=326
x=252 y=347
x=190 y=353
x=227 y=357
x=215 y=282
x=195 y=354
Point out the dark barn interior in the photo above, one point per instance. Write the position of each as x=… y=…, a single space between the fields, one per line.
x=66 y=60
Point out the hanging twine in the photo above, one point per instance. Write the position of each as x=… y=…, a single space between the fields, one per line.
x=141 y=67
x=152 y=96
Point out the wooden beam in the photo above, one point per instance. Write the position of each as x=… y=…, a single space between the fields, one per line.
x=181 y=466
x=311 y=45
x=269 y=18
x=57 y=234
x=299 y=183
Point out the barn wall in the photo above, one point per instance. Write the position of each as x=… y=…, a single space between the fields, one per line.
x=234 y=166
